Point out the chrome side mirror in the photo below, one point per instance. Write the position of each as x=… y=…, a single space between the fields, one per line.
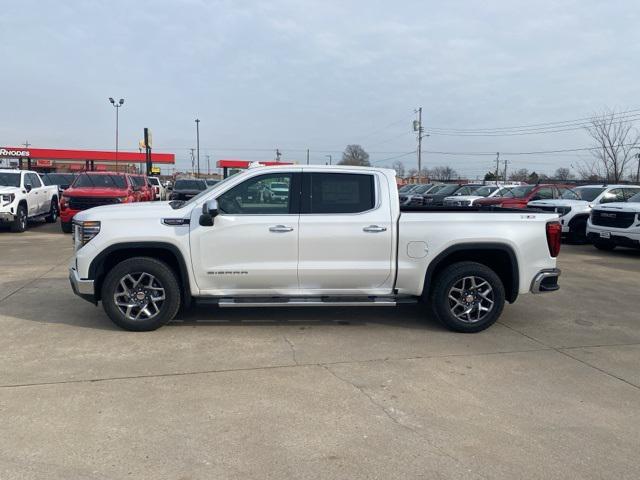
x=209 y=212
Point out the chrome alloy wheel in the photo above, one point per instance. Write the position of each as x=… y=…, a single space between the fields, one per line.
x=139 y=296
x=471 y=299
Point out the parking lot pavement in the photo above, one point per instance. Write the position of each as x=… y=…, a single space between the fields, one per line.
x=552 y=391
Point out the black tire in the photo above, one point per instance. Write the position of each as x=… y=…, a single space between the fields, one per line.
x=19 y=224
x=578 y=231
x=165 y=278
x=606 y=245
x=65 y=226
x=53 y=212
x=450 y=278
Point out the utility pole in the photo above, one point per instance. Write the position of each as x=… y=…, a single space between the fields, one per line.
x=278 y=155
x=307 y=156
x=638 y=173
x=208 y=164
x=26 y=144
x=198 y=143
x=193 y=162
x=417 y=127
x=330 y=158
x=504 y=179
x=497 y=166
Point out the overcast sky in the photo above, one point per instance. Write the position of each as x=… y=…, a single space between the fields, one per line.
x=315 y=74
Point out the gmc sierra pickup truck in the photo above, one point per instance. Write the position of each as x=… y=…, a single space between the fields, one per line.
x=339 y=238
x=24 y=197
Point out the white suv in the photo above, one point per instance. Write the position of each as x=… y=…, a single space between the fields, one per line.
x=575 y=206
x=615 y=224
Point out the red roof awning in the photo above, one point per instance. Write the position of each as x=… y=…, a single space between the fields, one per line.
x=92 y=155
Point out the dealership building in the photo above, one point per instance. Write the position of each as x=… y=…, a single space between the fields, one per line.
x=46 y=160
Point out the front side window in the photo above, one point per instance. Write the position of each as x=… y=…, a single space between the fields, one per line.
x=568 y=194
x=33 y=179
x=545 y=193
x=614 y=195
x=630 y=192
x=256 y=197
x=340 y=193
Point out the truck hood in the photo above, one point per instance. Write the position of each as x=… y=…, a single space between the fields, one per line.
x=620 y=207
x=96 y=192
x=463 y=197
x=4 y=189
x=129 y=211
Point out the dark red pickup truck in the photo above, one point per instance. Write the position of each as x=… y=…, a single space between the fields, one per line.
x=520 y=196
x=93 y=189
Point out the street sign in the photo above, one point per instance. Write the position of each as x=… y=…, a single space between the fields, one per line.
x=155 y=170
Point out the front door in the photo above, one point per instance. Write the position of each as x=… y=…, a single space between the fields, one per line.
x=252 y=248
x=346 y=234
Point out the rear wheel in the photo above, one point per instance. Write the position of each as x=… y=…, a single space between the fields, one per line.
x=53 y=212
x=19 y=223
x=468 y=297
x=606 y=245
x=141 y=294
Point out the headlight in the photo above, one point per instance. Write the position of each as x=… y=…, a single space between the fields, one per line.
x=84 y=232
x=7 y=198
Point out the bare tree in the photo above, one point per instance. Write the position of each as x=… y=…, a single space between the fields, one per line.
x=589 y=170
x=616 y=140
x=521 y=175
x=563 y=174
x=443 y=173
x=355 y=155
x=413 y=172
x=398 y=166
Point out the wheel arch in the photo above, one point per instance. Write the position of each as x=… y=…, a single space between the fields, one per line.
x=499 y=257
x=166 y=252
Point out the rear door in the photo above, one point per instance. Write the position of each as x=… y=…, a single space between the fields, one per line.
x=346 y=230
x=36 y=195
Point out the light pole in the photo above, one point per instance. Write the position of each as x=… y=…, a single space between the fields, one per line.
x=330 y=158
x=198 y=145
x=117 y=105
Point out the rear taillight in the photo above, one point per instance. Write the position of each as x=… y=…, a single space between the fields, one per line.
x=554 y=237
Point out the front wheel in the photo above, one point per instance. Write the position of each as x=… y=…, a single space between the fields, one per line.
x=468 y=297
x=141 y=294
x=19 y=223
x=66 y=227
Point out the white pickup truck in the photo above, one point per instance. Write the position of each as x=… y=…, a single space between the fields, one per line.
x=340 y=238
x=24 y=197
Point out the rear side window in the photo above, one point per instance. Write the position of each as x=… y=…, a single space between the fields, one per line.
x=630 y=192
x=339 y=193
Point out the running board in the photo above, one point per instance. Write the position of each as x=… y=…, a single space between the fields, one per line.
x=312 y=302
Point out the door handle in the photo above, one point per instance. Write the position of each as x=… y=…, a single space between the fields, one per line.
x=374 y=229
x=280 y=229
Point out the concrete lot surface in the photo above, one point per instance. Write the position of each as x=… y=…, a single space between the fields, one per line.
x=552 y=391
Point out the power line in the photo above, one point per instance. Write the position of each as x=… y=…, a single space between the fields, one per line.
x=556 y=124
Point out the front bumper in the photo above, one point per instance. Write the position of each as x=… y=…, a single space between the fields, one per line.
x=83 y=288
x=545 y=281
x=7 y=217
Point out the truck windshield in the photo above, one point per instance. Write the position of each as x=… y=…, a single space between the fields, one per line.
x=9 y=179
x=635 y=198
x=57 y=178
x=589 y=193
x=448 y=189
x=519 y=192
x=100 y=181
x=138 y=181
x=190 y=185
x=484 y=191
x=175 y=204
